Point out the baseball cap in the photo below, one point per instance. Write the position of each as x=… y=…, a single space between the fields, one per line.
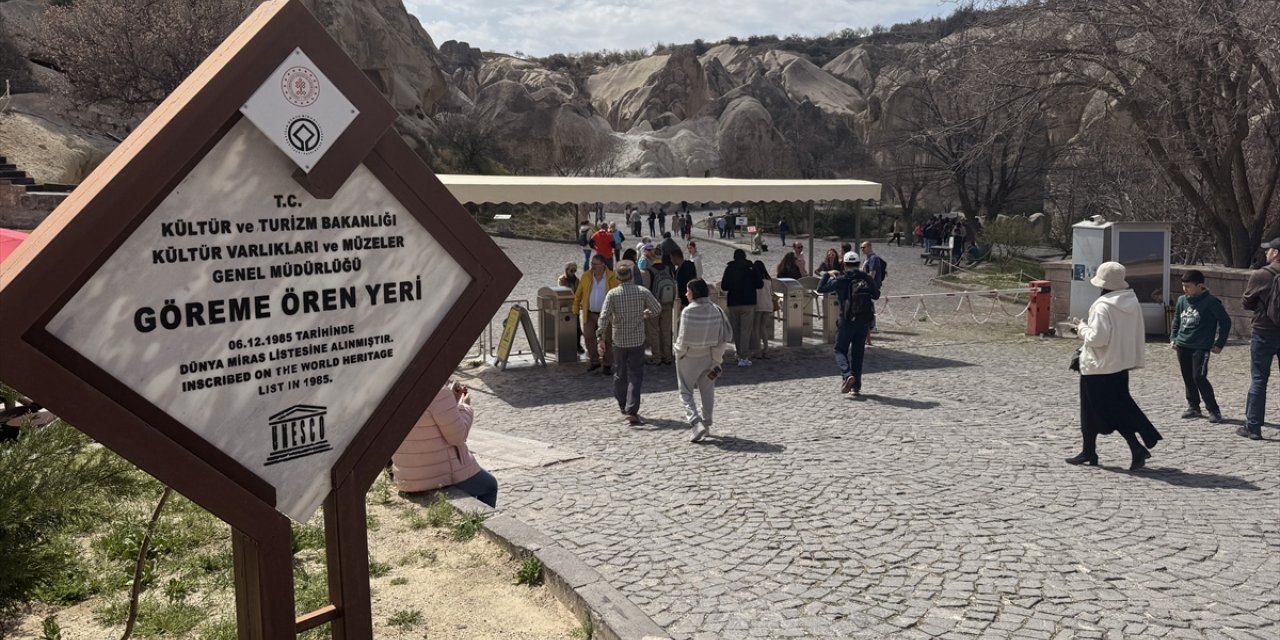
x=852 y=258
x=1274 y=244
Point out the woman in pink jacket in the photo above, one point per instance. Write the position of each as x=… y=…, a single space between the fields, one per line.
x=435 y=454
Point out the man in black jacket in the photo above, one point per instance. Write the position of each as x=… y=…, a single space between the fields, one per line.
x=856 y=289
x=1264 y=347
x=740 y=282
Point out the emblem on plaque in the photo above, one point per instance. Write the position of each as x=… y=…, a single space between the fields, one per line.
x=301 y=87
x=297 y=432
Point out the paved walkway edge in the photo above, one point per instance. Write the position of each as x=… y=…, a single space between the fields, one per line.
x=579 y=587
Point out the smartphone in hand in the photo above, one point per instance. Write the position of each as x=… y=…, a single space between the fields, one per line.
x=714 y=373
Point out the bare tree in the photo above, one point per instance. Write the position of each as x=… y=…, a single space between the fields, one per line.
x=906 y=172
x=984 y=134
x=467 y=144
x=1196 y=80
x=131 y=54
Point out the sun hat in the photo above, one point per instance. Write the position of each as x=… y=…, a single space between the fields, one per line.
x=852 y=258
x=1110 y=276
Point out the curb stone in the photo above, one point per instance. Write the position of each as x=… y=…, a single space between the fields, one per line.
x=579 y=587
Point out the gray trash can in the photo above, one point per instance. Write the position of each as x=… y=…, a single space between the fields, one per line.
x=556 y=323
x=795 y=304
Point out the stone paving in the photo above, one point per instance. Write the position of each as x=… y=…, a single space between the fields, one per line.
x=938 y=505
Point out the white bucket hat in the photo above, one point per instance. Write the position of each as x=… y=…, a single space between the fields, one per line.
x=1110 y=276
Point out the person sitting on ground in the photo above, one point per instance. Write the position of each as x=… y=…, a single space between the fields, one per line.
x=434 y=455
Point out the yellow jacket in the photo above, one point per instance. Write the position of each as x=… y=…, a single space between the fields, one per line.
x=582 y=297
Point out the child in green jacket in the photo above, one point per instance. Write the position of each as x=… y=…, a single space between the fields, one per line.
x=1200 y=327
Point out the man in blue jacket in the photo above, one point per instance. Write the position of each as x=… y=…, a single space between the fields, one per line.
x=856 y=290
x=1197 y=321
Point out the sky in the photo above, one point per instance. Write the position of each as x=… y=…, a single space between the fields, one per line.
x=542 y=27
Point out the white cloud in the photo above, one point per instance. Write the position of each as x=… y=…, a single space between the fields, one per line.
x=541 y=27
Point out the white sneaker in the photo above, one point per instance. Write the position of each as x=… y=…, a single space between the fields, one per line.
x=743 y=362
x=700 y=431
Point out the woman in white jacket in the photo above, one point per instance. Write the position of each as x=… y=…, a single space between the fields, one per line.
x=1114 y=343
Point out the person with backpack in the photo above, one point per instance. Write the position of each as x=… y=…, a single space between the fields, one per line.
x=584 y=241
x=1197 y=320
x=1262 y=297
x=661 y=281
x=857 y=292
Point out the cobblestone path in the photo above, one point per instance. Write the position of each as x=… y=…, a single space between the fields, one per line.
x=938 y=505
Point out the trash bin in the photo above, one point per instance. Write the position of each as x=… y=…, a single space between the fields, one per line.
x=556 y=323
x=795 y=306
x=1038 y=308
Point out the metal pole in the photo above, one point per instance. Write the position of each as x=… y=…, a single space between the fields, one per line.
x=809 y=205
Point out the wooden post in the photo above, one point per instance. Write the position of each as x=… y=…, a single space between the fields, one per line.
x=347 y=547
x=264 y=582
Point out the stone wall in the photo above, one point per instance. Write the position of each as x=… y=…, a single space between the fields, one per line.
x=1225 y=283
x=22 y=210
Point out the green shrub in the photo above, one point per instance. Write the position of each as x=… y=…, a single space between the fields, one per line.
x=53 y=487
x=440 y=512
x=530 y=572
x=405 y=618
x=468 y=526
x=306 y=536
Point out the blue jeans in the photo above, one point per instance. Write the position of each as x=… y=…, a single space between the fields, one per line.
x=482 y=486
x=1262 y=351
x=586 y=259
x=851 y=344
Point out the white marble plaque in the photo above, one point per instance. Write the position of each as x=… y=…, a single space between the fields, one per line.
x=268 y=322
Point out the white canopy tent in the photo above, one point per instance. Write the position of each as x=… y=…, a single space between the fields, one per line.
x=469 y=189
x=547 y=190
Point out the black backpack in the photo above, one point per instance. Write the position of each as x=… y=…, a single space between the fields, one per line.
x=584 y=236
x=859 y=306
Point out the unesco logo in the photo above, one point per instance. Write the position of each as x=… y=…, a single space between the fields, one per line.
x=303 y=134
x=300 y=86
x=297 y=432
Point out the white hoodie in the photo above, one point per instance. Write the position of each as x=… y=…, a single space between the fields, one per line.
x=1114 y=336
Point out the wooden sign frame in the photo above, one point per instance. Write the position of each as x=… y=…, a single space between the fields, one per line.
x=47 y=270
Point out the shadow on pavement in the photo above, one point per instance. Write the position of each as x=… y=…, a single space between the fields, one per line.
x=535 y=386
x=742 y=445
x=905 y=403
x=658 y=424
x=1179 y=478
